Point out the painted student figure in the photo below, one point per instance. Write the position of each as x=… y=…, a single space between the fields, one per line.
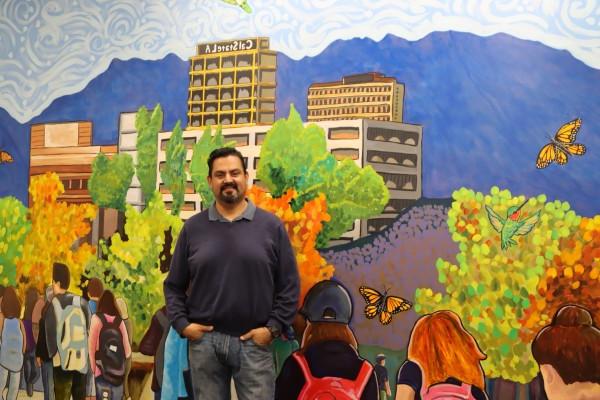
x=30 y=370
x=69 y=352
x=232 y=286
x=444 y=360
x=12 y=343
x=109 y=348
x=382 y=377
x=327 y=363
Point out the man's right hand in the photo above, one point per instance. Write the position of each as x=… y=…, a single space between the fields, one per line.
x=196 y=331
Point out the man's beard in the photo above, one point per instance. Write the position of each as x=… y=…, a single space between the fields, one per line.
x=233 y=198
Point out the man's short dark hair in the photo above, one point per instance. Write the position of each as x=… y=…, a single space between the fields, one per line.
x=61 y=274
x=224 y=152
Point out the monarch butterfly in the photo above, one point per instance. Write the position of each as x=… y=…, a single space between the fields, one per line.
x=561 y=146
x=382 y=304
x=5 y=157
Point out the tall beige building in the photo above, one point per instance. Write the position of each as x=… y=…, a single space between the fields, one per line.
x=363 y=96
x=232 y=84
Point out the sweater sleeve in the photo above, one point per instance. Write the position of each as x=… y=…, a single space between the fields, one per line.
x=176 y=284
x=95 y=327
x=125 y=335
x=151 y=339
x=287 y=284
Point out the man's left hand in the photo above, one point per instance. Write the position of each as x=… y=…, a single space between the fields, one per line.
x=260 y=336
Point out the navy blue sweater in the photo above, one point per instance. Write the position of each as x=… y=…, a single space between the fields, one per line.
x=236 y=275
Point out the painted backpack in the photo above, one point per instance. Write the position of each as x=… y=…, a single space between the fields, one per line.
x=72 y=337
x=332 y=388
x=11 y=345
x=447 y=391
x=110 y=356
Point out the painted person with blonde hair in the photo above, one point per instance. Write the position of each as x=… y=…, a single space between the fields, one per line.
x=568 y=353
x=443 y=360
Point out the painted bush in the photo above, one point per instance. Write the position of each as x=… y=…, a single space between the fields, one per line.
x=302 y=227
x=110 y=180
x=294 y=156
x=574 y=277
x=492 y=289
x=55 y=228
x=14 y=227
x=130 y=267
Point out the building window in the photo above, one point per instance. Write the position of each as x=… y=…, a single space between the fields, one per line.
x=256 y=162
x=396 y=205
x=399 y=181
x=393 y=135
x=344 y=133
x=342 y=154
x=240 y=139
x=260 y=138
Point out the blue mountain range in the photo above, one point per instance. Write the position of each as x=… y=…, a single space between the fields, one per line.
x=486 y=104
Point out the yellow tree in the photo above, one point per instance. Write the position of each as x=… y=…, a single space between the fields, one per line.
x=303 y=227
x=56 y=228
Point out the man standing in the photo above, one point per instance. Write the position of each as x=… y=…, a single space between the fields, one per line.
x=382 y=377
x=232 y=287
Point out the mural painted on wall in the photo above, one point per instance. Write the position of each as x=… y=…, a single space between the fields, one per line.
x=435 y=166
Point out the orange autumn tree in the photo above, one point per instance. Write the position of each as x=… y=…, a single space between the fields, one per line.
x=574 y=277
x=55 y=227
x=302 y=227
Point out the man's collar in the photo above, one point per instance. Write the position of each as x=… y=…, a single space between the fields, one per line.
x=214 y=215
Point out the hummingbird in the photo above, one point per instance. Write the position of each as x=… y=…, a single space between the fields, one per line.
x=511 y=225
x=243 y=4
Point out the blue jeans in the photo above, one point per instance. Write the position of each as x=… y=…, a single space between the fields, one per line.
x=12 y=379
x=216 y=358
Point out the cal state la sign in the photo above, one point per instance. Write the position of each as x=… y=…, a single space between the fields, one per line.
x=227 y=47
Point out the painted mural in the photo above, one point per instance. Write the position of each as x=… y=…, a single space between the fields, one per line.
x=435 y=166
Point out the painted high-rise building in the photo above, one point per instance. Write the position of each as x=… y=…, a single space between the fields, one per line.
x=232 y=83
x=363 y=96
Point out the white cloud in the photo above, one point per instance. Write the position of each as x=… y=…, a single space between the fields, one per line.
x=54 y=48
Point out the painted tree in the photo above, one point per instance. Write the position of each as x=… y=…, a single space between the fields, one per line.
x=174 y=174
x=296 y=157
x=147 y=126
x=130 y=268
x=573 y=276
x=491 y=289
x=55 y=236
x=199 y=167
x=110 y=180
x=14 y=227
x=302 y=227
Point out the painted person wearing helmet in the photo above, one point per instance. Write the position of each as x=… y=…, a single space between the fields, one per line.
x=327 y=361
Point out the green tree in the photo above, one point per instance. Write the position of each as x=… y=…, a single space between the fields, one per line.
x=491 y=289
x=147 y=126
x=199 y=167
x=130 y=268
x=295 y=156
x=110 y=180
x=174 y=175
x=14 y=226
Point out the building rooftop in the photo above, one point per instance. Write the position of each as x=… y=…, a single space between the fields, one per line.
x=358 y=79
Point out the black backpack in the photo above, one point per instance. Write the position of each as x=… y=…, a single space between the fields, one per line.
x=110 y=356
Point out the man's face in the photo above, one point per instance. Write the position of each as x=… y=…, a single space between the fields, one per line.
x=228 y=180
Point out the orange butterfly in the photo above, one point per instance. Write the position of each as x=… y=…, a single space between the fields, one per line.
x=561 y=146
x=5 y=157
x=382 y=304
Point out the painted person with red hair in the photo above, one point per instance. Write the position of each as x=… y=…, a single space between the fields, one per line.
x=568 y=353
x=443 y=359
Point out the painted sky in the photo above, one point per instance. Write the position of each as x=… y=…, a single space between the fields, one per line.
x=54 y=48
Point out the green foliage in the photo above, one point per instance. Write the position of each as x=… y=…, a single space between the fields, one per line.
x=14 y=227
x=199 y=167
x=295 y=156
x=173 y=175
x=147 y=127
x=110 y=180
x=491 y=289
x=131 y=268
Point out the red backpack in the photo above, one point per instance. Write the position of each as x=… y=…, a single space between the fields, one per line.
x=332 y=388
x=447 y=391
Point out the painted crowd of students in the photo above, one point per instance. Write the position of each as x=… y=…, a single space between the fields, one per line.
x=80 y=348
x=83 y=348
